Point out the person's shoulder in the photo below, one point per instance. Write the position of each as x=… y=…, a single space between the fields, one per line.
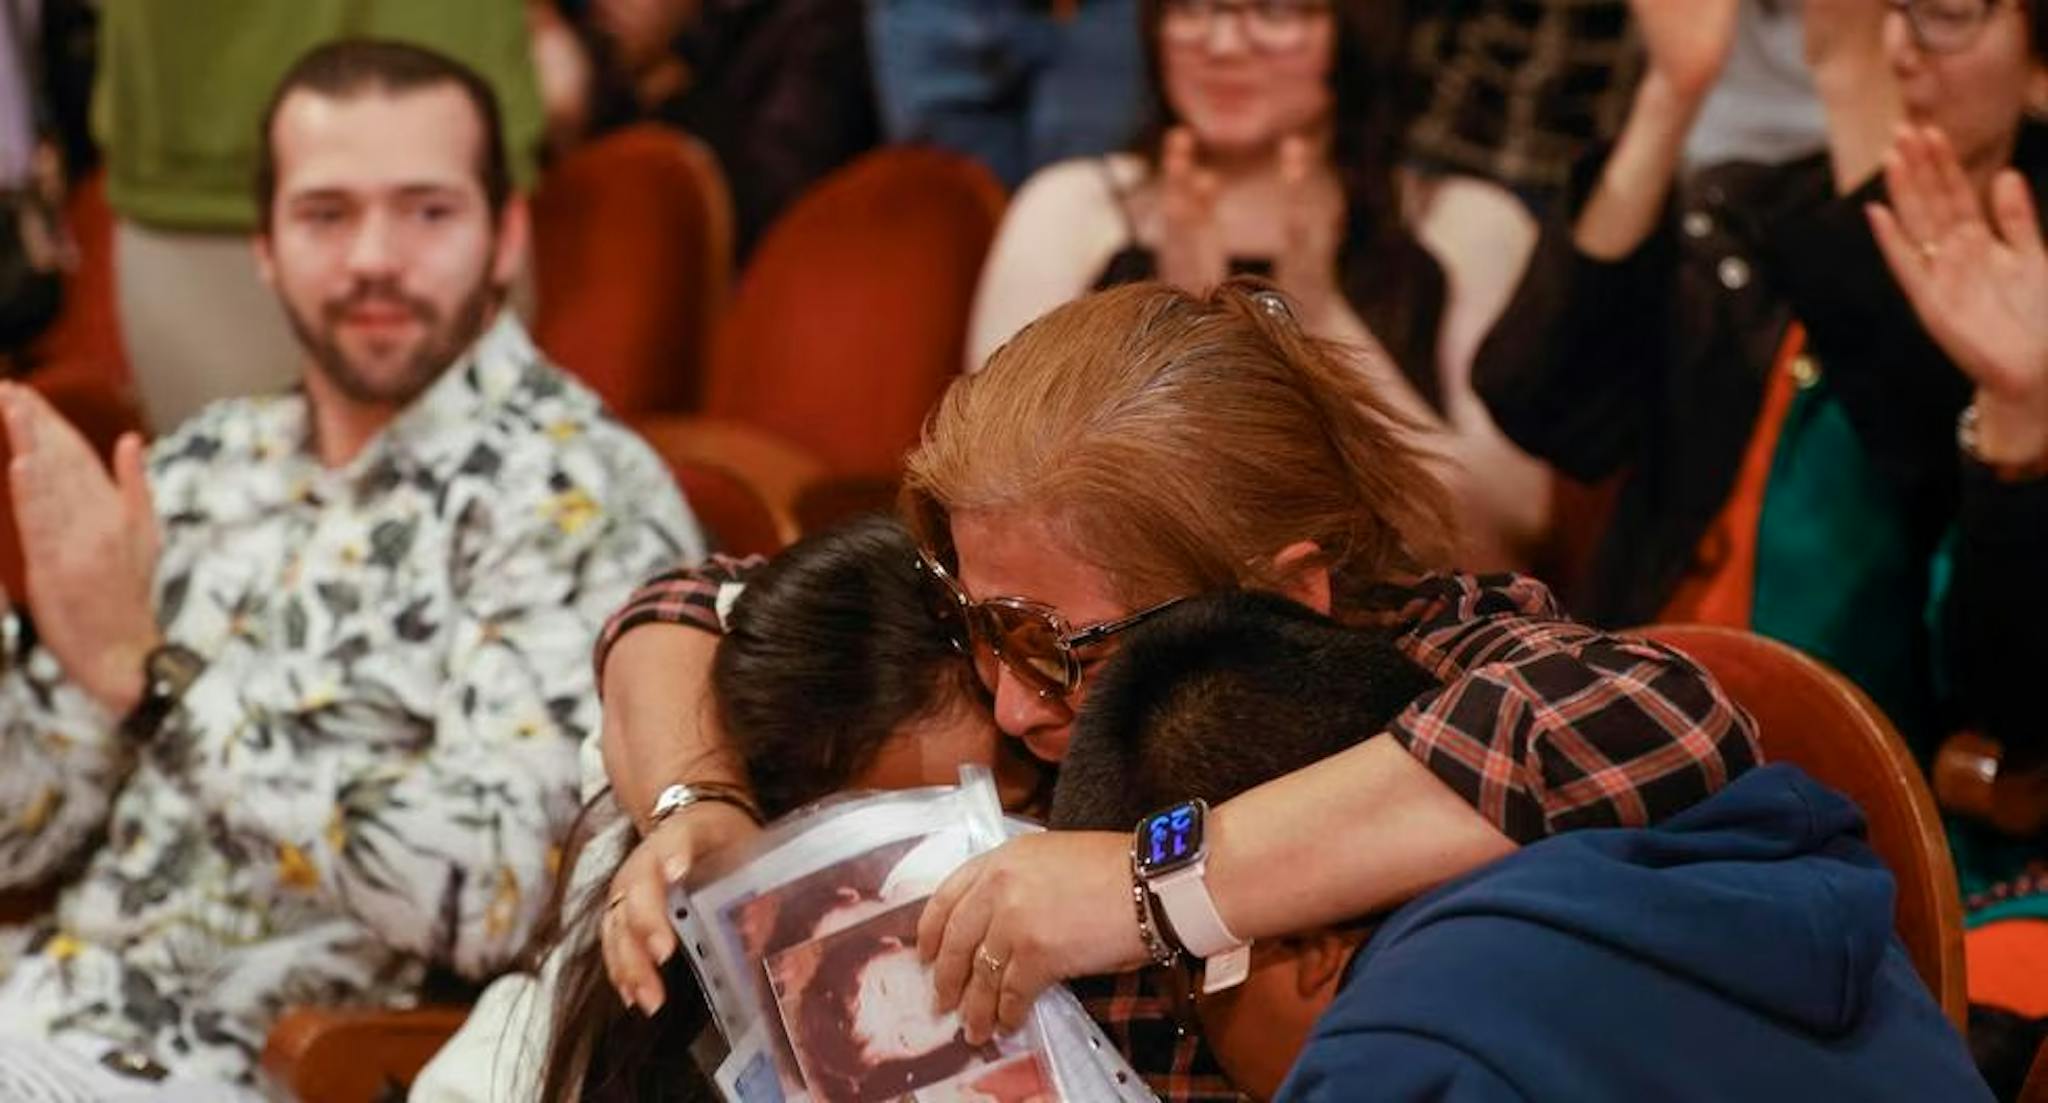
x=558 y=441
x=1083 y=187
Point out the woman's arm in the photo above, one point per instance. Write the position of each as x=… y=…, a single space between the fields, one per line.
x=1564 y=371
x=1542 y=726
x=1981 y=287
x=654 y=672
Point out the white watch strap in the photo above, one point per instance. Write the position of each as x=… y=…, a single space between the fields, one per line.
x=1184 y=895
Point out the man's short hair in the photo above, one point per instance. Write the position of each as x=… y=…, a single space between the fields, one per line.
x=350 y=67
x=1222 y=694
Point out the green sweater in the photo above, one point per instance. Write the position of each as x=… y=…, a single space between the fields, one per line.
x=183 y=85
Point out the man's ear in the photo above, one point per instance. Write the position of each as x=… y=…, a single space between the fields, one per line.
x=515 y=232
x=1303 y=576
x=1320 y=960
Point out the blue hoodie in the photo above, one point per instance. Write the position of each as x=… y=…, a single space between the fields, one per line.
x=1742 y=950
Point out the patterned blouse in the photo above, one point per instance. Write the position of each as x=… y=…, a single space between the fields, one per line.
x=1544 y=725
x=369 y=774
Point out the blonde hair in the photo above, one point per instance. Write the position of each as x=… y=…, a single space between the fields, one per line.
x=1179 y=442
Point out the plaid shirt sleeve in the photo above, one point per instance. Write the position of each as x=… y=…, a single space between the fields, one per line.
x=1136 y=1011
x=687 y=596
x=1546 y=725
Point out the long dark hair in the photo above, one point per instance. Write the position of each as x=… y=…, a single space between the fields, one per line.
x=1395 y=284
x=828 y=653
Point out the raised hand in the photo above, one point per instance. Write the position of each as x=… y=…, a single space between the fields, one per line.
x=1687 y=40
x=1979 y=285
x=90 y=544
x=1190 y=249
x=1306 y=267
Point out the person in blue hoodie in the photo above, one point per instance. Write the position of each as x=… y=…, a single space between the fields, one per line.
x=1741 y=949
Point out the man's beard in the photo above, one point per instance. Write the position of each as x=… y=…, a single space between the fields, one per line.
x=440 y=344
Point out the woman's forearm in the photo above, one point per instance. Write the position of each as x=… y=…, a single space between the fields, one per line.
x=660 y=725
x=1628 y=202
x=1350 y=836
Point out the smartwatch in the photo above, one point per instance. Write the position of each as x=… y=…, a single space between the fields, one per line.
x=1172 y=859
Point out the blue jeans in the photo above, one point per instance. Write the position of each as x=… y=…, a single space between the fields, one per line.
x=1004 y=82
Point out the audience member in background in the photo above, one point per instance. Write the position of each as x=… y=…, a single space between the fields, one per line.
x=313 y=667
x=779 y=89
x=829 y=677
x=1980 y=285
x=1127 y=449
x=180 y=96
x=1514 y=90
x=1016 y=84
x=1758 y=920
x=1736 y=344
x=33 y=241
x=1276 y=151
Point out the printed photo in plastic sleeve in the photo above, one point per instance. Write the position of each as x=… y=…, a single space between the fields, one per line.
x=857 y=1006
x=817 y=871
x=840 y=856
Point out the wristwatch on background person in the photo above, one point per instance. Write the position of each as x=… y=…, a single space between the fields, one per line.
x=677 y=797
x=1969 y=440
x=167 y=672
x=1170 y=852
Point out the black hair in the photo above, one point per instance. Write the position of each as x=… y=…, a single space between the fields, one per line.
x=350 y=67
x=1221 y=694
x=834 y=636
x=828 y=653
x=1394 y=283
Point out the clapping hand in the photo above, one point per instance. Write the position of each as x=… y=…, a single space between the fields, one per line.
x=1190 y=251
x=90 y=542
x=1979 y=285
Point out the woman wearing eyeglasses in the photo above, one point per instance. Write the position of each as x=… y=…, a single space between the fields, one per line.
x=1800 y=454
x=1126 y=450
x=1275 y=149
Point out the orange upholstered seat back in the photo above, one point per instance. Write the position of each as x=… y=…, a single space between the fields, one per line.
x=632 y=246
x=851 y=318
x=1814 y=718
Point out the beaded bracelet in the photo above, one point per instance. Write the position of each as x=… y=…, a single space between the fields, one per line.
x=1156 y=947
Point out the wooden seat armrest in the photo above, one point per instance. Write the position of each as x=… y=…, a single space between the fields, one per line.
x=1972 y=778
x=323 y=1055
x=777 y=471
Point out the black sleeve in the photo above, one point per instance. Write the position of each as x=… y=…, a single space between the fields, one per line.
x=1570 y=370
x=1995 y=612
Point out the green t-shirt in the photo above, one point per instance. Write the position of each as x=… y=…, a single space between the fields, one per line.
x=183 y=84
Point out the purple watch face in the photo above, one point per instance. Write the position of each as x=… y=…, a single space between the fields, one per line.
x=1171 y=839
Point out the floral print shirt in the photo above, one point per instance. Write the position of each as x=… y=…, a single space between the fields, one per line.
x=369 y=774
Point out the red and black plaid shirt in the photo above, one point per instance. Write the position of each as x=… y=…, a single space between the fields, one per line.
x=1544 y=725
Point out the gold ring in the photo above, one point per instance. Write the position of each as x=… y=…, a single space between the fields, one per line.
x=989 y=961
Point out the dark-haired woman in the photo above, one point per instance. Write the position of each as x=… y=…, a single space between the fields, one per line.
x=1275 y=151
